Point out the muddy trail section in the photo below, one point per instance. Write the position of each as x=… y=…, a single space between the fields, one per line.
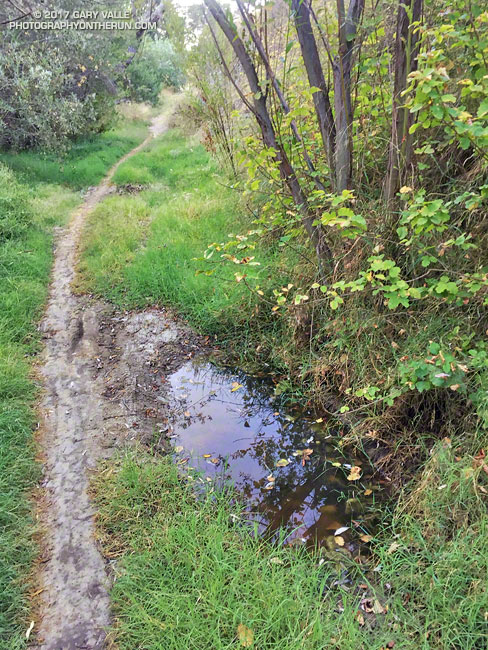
x=94 y=400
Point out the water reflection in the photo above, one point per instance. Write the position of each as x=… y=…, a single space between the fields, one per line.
x=231 y=429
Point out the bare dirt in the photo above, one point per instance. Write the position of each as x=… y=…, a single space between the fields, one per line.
x=104 y=378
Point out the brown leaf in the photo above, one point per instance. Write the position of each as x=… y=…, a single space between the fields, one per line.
x=187 y=414
x=355 y=473
x=215 y=461
x=366 y=538
x=360 y=619
x=246 y=636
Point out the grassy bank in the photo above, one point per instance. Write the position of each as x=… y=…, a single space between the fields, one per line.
x=36 y=197
x=189 y=573
x=429 y=557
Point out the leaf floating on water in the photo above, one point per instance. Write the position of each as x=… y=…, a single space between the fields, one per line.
x=355 y=473
x=235 y=386
x=215 y=461
x=283 y=462
x=178 y=449
x=207 y=455
x=270 y=478
x=270 y=485
x=339 y=540
x=246 y=636
x=183 y=461
x=187 y=414
x=341 y=530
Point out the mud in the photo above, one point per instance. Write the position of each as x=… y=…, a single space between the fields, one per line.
x=97 y=396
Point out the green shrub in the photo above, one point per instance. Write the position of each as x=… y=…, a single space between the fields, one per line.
x=155 y=68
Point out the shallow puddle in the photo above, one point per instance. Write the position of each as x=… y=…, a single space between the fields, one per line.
x=288 y=469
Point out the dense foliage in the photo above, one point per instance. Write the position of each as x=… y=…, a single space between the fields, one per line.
x=155 y=67
x=59 y=84
x=380 y=165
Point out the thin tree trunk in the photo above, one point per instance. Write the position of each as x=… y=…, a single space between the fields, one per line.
x=311 y=59
x=261 y=113
x=342 y=90
x=406 y=59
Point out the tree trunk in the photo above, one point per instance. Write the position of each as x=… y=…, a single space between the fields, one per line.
x=260 y=111
x=313 y=66
x=406 y=59
x=342 y=90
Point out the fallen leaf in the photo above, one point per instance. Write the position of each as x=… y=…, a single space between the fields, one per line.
x=341 y=530
x=283 y=462
x=215 y=461
x=29 y=630
x=178 y=449
x=378 y=608
x=339 y=540
x=336 y=465
x=186 y=414
x=355 y=473
x=393 y=547
x=235 y=386
x=276 y=560
x=269 y=486
x=368 y=492
x=360 y=619
x=270 y=478
x=319 y=420
x=366 y=538
x=183 y=461
x=207 y=455
x=246 y=636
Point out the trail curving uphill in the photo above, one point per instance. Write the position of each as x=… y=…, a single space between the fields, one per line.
x=75 y=604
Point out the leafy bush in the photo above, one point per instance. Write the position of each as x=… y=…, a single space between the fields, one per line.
x=155 y=68
x=15 y=213
x=44 y=100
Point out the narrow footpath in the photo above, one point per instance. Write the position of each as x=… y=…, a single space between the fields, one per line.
x=74 y=609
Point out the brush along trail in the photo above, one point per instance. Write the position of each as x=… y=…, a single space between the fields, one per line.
x=97 y=395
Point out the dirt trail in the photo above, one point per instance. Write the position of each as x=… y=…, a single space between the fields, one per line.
x=75 y=604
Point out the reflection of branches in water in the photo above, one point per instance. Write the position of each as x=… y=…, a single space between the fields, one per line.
x=304 y=494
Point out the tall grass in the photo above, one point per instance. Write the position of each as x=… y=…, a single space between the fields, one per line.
x=141 y=250
x=85 y=163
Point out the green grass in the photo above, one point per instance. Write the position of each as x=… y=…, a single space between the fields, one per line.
x=188 y=575
x=140 y=250
x=29 y=212
x=86 y=162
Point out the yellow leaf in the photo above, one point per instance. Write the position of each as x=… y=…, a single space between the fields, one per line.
x=336 y=465
x=246 y=636
x=319 y=420
x=215 y=461
x=187 y=414
x=339 y=540
x=207 y=455
x=366 y=538
x=235 y=386
x=368 y=492
x=283 y=462
x=405 y=189
x=354 y=474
